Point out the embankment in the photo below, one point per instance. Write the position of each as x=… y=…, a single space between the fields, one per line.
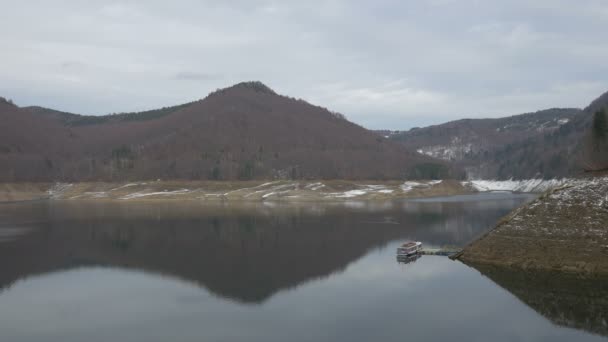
x=564 y=230
x=281 y=190
x=19 y=192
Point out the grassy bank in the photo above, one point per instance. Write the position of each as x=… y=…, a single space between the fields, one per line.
x=565 y=230
x=18 y=192
x=334 y=190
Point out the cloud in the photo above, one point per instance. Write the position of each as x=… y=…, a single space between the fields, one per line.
x=195 y=76
x=384 y=64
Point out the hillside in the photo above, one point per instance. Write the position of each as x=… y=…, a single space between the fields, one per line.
x=545 y=144
x=563 y=230
x=552 y=154
x=481 y=145
x=246 y=131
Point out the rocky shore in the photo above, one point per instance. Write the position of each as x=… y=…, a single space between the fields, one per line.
x=564 y=230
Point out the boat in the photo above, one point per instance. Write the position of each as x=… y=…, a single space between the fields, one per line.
x=409 y=248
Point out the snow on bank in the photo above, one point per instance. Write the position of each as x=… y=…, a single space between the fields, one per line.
x=128 y=186
x=348 y=194
x=314 y=186
x=162 y=193
x=58 y=189
x=276 y=190
x=525 y=185
x=364 y=189
x=411 y=185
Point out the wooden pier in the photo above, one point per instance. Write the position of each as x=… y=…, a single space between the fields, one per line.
x=445 y=251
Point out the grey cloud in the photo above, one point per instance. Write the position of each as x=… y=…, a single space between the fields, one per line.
x=195 y=76
x=384 y=64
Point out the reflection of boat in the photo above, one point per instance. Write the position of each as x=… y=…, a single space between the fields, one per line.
x=406 y=259
x=409 y=248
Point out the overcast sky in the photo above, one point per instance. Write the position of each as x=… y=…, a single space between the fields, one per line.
x=384 y=64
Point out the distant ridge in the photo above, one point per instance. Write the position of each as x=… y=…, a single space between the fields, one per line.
x=544 y=144
x=70 y=119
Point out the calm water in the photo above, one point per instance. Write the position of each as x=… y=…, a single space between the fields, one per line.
x=271 y=272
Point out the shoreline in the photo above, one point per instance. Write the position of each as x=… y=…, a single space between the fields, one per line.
x=262 y=190
x=564 y=230
x=250 y=191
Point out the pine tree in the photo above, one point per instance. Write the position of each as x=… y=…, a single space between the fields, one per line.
x=599 y=129
x=600 y=126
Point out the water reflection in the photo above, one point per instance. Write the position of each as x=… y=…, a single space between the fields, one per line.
x=187 y=271
x=407 y=259
x=565 y=299
x=243 y=252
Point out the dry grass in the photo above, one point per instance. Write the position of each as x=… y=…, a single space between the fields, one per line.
x=565 y=230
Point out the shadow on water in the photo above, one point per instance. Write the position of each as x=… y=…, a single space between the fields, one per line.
x=565 y=299
x=245 y=252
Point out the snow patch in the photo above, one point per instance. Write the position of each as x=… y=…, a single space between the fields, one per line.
x=386 y=191
x=411 y=185
x=128 y=186
x=58 y=189
x=268 y=194
x=314 y=186
x=349 y=194
x=92 y=194
x=526 y=185
x=365 y=189
x=252 y=188
x=456 y=150
x=161 y=193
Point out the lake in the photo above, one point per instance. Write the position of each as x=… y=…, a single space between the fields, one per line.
x=194 y=271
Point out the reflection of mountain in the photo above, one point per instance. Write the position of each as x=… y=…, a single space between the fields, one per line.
x=458 y=223
x=243 y=253
x=566 y=300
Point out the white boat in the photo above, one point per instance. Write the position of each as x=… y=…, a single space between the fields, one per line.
x=409 y=248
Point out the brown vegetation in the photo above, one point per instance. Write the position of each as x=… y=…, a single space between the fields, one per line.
x=565 y=230
x=243 y=132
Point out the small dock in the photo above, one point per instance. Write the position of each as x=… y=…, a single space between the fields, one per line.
x=444 y=251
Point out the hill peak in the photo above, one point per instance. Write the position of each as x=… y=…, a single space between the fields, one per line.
x=256 y=86
x=7 y=101
x=597 y=104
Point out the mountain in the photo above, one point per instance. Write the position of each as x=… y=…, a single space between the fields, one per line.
x=246 y=131
x=544 y=144
x=559 y=153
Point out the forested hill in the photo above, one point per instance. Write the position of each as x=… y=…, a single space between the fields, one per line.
x=545 y=144
x=246 y=131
